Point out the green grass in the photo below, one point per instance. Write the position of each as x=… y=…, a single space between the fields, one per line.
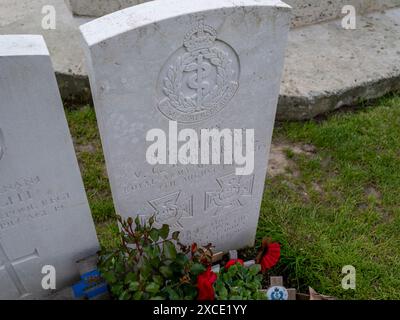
x=83 y=126
x=342 y=207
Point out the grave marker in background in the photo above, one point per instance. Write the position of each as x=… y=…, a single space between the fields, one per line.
x=44 y=214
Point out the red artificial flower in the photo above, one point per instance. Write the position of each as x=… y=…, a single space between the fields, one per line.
x=271 y=256
x=205 y=283
x=232 y=262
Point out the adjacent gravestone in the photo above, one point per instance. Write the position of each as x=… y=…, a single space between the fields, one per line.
x=44 y=214
x=203 y=64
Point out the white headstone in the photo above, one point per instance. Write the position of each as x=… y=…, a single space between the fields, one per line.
x=202 y=64
x=44 y=214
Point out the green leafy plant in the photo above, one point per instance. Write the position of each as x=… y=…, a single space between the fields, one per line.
x=239 y=283
x=151 y=264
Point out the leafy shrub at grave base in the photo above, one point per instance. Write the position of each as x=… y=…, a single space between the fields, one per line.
x=147 y=264
x=239 y=283
x=150 y=264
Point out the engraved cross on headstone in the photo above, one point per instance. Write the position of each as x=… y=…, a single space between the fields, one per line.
x=8 y=265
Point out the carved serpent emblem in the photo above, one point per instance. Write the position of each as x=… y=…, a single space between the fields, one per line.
x=200 y=79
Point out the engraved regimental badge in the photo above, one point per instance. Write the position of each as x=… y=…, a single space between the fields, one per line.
x=200 y=78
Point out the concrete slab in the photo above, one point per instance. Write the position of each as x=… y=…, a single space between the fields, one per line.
x=25 y=17
x=305 y=12
x=326 y=66
x=98 y=8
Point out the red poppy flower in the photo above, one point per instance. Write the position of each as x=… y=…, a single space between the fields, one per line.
x=271 y=256
x=205 y=283
x=232 y=262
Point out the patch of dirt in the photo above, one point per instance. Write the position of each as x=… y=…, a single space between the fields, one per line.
x=89 y=148
x=317 y=188
x=279 y=163
x=372 y=192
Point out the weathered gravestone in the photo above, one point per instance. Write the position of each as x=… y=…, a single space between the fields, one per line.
x=44 y=213
x=203 y=65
